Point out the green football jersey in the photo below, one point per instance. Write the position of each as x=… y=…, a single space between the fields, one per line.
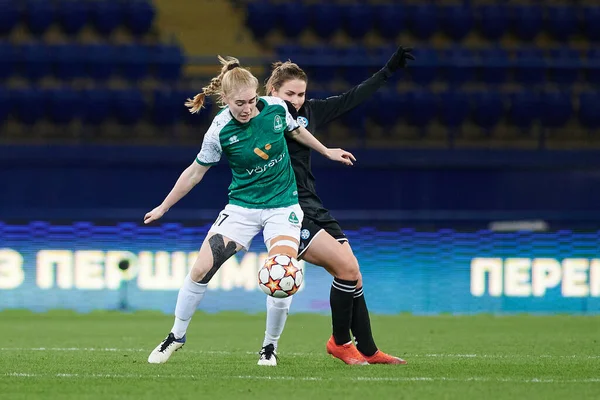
x=257 y=154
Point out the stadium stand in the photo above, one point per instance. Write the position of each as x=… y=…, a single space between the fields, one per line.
x=485 y=70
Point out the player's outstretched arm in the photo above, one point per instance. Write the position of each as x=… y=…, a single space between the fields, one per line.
x=326 y=110
x=303 y=136
x=189 y=178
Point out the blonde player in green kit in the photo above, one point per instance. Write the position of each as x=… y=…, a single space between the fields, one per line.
x=250 y=131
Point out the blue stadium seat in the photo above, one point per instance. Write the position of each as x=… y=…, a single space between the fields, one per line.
x=134 y=61
x=73 y=15
x=589 y=109
x=524 y=108
x=34 y=60
x=457 y=21
x=353 y=58
x=386 y=107
x=293 y=52
x=321 y=73
x=261 y=17
x=453 y=107
x=561 y=21
x=390 y=19
x=205 y=114
x=460 y=65
x=68 y=61
x=355 y=120
x=423 y=20
x=64 y=105
x=527 y=21
x=495 y=64
x=425 y=67
x=8 y=60
x=129 y=106
x=100 y=61
x=326 y=19
x=530 y=65
x=106 y=15
x=97 y=106
x=166 y=107
x=168 y=61
x=487 y=108
x=557 y=108
x=39 y=15
x=139 y=16
x=593 y=66
x=293 y=17
x=29 y=104
x=565 y=65
x=9 y=17
x=5 y=105
x=182 y=95
x=493 y=21
x=591 y=22
x=420 y=107
x=357 y=19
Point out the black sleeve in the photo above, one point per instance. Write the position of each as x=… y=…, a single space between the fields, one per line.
x=325 y=110
x=291 y=109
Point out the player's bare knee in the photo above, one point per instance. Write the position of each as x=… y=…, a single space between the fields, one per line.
x=350 y=275
x=353 y=269
x=348 y=269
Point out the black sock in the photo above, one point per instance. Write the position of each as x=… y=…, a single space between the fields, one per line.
x=341 y=299
x=361 y=325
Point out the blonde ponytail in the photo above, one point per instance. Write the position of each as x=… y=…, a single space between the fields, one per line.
x=231 y=75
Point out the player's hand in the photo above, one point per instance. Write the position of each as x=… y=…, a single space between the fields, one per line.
x=154 y=215
x=340 y=155
x=399 y=59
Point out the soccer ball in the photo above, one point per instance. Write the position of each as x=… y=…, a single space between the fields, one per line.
x=280 y=276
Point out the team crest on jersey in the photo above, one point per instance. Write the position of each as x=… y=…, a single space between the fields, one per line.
x=277 y=124
x=304 y=234
x=292 y=218
x=302 y=121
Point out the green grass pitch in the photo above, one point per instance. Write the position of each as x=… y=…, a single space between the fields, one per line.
x=102 y=355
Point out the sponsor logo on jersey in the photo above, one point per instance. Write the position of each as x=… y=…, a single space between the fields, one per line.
x=262 y=168
x=302 y=121
x=261 y=153
x=293 y=219
x=277 y=124
x=304 y=234
x=233 y=139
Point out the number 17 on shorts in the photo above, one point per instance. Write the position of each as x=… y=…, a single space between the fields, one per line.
x=220 y=219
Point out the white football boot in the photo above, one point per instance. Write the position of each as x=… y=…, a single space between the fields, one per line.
x=163 y=351
x=268 y=356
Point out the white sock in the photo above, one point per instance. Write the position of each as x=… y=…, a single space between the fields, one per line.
x=188 y=299
x=277 y=312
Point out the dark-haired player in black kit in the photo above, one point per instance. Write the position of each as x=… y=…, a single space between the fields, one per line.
x=322 y=241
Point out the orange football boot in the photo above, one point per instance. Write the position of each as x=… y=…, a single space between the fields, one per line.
x=382 y=358
x=348 y=352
